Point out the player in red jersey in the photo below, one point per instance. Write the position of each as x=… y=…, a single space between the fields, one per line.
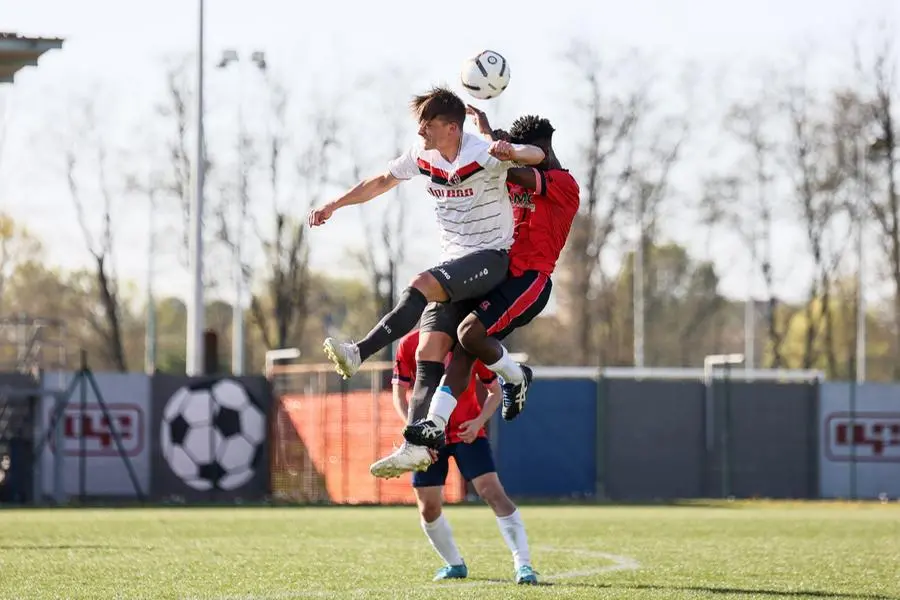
x=469 y=447
x=545 y=201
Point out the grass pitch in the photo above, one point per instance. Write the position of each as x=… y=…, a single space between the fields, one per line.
x=760 y=550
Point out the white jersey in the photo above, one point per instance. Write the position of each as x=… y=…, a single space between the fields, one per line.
x=473 y=208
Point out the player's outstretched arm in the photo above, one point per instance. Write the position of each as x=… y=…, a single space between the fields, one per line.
x=524 y=154
x=362 y=192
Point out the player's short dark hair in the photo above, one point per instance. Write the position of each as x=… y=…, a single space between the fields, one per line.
x=441 y=103
x=529 y=129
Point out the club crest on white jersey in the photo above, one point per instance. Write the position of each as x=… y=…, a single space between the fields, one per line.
x=472 y=205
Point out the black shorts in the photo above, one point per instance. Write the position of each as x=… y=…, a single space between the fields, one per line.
x=473 y=275
x=444 y=317
x=514 y=303
x=473 y=460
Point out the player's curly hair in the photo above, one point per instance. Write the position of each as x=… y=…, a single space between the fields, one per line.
x=439 y=102
x=500 y=134
x=529 y=129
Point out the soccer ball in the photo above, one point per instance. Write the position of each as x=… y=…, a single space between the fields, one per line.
x=485 y=76
x=212 y=434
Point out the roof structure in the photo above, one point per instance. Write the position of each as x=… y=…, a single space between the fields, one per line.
x=17 y=52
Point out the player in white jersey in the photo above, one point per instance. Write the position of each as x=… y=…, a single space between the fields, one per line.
x=467 y=179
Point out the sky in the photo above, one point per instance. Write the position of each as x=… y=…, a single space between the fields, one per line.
x=116 y=50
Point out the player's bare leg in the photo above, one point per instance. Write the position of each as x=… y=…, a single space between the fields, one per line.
x=473 y=337
x=348 y=356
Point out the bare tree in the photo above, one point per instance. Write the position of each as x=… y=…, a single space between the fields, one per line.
x=816 y=180
x=231 y=212
x=880 y=75
x=682 y=297
x=631 y=148
x=174 y=162
x=175 y=112
x=384 y=236
x=87 y=171
x=281 y=315
x=385 y=251
x=651 y=194
x=746 y=203
x=607 y=160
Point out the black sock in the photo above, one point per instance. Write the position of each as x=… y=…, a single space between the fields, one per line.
x=395 y=324
x=428 y=378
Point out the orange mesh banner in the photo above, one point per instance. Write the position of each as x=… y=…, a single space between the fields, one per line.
x=323 y=446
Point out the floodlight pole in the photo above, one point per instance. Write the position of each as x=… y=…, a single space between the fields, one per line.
x=258 y=59
x=195 y=307
x=150 y=335
x=750 y=323
x=638 y=285
x=860 y=259
x=860 y=362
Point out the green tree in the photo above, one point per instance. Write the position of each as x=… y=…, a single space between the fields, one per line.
x=683 y=308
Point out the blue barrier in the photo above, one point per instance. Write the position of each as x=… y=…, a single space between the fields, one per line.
x=551 y=449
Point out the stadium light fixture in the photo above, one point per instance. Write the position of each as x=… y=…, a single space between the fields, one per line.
x=18 y=52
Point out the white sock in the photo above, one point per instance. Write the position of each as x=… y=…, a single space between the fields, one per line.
x=441 y=537
x=441 y=407
x=508 y=369
x=513 y=529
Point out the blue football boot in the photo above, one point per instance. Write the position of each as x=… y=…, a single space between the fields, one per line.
x=525 y=575
x=452 y=572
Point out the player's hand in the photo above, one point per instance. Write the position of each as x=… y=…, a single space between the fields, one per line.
x=318 y=216
x=501 y=150
x=468 y=431
x=480 y=119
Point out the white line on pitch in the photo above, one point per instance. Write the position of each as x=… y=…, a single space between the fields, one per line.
x=619 y=563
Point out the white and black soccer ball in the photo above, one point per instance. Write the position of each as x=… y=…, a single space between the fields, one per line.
x=212 y=434
x=485 y=76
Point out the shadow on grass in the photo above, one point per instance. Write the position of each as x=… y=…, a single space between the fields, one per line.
x=723 y=590
x=43 y=547
x=513 y=583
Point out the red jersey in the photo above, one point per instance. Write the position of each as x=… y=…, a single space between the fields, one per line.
x=467 y=405
x=543 y=218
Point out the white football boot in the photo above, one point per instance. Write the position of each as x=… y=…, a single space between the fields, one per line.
x=404 y=459
x=345 y=357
